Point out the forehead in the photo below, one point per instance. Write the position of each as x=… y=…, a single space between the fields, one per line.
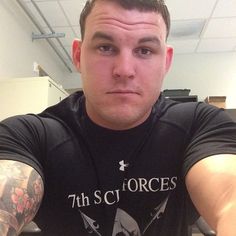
x=109 y=15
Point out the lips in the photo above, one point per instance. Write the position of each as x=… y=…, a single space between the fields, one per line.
x=123 y=91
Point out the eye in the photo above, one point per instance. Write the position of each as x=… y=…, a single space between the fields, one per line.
x=143 y=52
x=106 y=49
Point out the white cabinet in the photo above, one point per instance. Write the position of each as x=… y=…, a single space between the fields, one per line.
x=28 y=95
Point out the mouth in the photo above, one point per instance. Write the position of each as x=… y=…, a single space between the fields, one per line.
x=123 y=92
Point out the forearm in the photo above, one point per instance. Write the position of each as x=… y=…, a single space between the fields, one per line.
x=21 y=191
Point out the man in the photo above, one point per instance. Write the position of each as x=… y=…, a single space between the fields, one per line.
x=120 y=160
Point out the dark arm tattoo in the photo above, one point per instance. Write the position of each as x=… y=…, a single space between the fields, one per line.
x=21 y=192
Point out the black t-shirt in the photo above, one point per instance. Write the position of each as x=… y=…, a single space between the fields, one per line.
x=104 y=182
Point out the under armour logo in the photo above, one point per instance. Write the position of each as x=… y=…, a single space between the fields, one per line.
x=123 y=165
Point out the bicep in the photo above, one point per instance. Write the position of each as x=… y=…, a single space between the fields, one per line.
x=211 y=184
x=21 y=192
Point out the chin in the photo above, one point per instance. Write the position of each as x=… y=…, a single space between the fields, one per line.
x=121 y=120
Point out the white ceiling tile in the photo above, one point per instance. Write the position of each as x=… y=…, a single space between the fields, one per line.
x=225 y=8
x=190 y=9
x=36 y=15
x=221 y=28
x=53 y=13
x=217 y=45
x=72 y=9
x=218 y=35
x=184 y=46
x=40 y=0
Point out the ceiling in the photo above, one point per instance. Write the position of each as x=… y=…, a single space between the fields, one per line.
x=198 y=26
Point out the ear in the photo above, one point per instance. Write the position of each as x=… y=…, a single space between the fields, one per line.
x=169 y=57
x=76 y=53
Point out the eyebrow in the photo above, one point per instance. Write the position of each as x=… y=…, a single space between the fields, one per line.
x=152 y=39
x=101 y=35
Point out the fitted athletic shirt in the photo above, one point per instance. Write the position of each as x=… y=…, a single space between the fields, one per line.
x=104 y=182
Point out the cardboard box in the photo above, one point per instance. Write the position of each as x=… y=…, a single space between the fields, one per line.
x=218 y=101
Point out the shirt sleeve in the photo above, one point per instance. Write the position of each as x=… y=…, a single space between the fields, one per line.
x=22 y=138
x=212 y=132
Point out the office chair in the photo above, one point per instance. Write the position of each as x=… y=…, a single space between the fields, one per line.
x=204 y=228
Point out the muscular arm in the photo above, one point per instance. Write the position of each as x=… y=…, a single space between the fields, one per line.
x=212 y=186
x=21 y=191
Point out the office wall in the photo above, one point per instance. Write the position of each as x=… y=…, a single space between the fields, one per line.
x=212 y=74
x=205 y=74
x=18 y=52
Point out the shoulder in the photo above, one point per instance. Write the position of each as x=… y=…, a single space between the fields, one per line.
x=28 y=123
x=196 y=112
x=192 y=117
x=29 y=139
x=33 y=130
x=175 y=113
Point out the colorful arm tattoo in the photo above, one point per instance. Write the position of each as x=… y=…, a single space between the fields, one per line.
x=21 y=192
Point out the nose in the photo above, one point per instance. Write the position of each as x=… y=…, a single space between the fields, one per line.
x=124 y=66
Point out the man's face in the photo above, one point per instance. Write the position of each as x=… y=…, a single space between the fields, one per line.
x=122 y=60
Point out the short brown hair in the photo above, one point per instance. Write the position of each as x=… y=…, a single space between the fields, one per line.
x=142 y=5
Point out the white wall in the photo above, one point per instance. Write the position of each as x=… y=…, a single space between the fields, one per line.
x=18 y=52
x=206 y=75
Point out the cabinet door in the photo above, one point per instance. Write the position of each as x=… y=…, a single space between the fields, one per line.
x=28 y=95
x=21 y=97
x=55 y=94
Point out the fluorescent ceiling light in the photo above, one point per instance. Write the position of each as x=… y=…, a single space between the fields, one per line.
x=182 y=29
